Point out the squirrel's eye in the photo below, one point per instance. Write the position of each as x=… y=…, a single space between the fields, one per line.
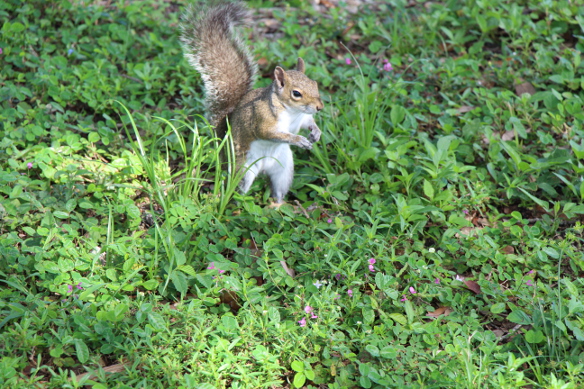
x=295 y=93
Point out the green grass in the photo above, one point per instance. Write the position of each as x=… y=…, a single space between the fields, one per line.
x=125 y=247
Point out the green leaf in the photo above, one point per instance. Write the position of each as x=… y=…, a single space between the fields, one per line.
x=572 y=289
x=375 y=46
x=150 y=284
x=299 y=380
x=399 y=318
x=372 y=349
x=428 y=189
x=397 y=114
x=120 y=310
x=156 y=321
x=498 y=308
x=188 y=269
x=81 y=350
x=518 y=127
x=297 y=366
x=519 y=317
x=578 y=334
x=70 y=205
x=551 y=252
x=93 y=137
x=16 y=27
x=534 y=336
x=274 y=314
x=388 y=352
x=61 y=215
x=179 y=280
x=179 y=257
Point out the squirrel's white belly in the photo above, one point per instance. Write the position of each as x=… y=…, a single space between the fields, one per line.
x=265 y=155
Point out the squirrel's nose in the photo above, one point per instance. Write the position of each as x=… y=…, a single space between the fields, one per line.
x=319 y=106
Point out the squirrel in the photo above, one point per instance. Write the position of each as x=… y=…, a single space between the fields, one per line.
x=264 y=122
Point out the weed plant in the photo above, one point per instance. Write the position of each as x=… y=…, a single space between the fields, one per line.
x=432 y=238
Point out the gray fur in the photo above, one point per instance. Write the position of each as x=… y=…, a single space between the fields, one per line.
x=213 y=48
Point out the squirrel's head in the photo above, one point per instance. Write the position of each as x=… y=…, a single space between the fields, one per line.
x=296 y=90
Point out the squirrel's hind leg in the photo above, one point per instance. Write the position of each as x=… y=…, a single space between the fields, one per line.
x=248 y=178
x=281 y=172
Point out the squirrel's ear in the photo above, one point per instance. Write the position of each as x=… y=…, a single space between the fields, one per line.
x=300 y=65
x=280 y=77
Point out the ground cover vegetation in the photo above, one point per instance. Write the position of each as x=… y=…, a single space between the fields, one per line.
x=433 y=237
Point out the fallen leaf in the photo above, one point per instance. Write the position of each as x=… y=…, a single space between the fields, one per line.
x=289 y=271
x=440 y=311
x=467 y=231
x=473 y=286
x=508 y=135
x=117 y=368
x=230 y=298
x=525 y=87
x=508 y=250
x=499 y=333
x=465 y=108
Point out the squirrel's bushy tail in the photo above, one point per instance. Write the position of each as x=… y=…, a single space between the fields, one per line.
x=214 y=49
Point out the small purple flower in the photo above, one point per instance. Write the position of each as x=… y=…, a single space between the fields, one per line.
x=387 y=67
x=308 y=309
x=371 y=261
x=412 y=290
x=221 y=271
x=211 y=266
x=528 y=283
x=404 y=298
x=329 y=221
x=302 y=322
x=371 y=268
x=69 y=288
x=70 y=51
x=338 y=276
x=78 y=286
x=350 y=292
x=437 y=281
x=1 y=50
x=29 y=165
x=348 y=61
x=531 y=272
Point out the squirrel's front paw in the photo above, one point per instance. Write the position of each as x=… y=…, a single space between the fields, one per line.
x=314 y=135
x=304 y=143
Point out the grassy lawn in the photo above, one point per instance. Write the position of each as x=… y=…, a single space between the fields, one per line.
x=433 y=237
